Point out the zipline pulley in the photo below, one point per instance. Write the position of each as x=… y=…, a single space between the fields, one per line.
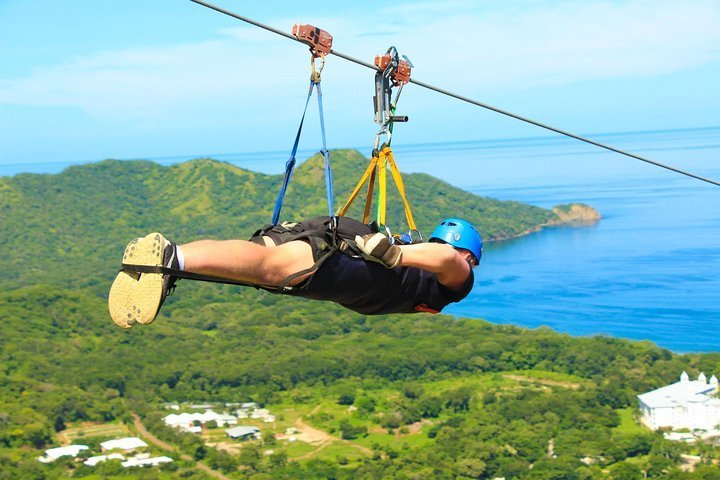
x=319 y=41
x=393 y=72
x=401 y=69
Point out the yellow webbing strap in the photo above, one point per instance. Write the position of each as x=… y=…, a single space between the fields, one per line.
x=368 y=172
x=401 y=188
x=378 y=168
x=368 y=197
x=382 y=185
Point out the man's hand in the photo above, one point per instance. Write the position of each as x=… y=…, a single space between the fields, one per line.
x=377 y=246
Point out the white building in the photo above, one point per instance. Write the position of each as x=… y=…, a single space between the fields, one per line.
x=92 y=461
x=684 y=404
x=243 y=432
x=188 y=421
x=224 y=419
x=142 y=462
x=54 y=453
x=127 y=443
x=260 y=413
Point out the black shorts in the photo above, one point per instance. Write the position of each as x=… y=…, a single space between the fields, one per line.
x=312 y=232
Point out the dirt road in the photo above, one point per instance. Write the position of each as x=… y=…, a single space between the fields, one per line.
x=166 y=446
x=312 y=435
x=542 y=381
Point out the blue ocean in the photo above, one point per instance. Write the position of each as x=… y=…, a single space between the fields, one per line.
x=649 y=270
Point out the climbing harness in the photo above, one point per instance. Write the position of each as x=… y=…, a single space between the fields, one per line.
x=331 y=232
x=327 y=230
x=393 y=72
x=320 y=43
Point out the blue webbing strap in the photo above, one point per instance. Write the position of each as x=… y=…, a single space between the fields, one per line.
x=290 y=164
x=326 y=154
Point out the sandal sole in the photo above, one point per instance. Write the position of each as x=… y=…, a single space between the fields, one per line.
x=136 y=297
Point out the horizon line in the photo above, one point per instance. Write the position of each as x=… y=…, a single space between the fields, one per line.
x=157 y=159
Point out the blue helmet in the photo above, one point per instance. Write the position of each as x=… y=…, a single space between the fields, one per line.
x=460 y=234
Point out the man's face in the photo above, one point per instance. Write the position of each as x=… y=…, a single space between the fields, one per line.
x=468 y=255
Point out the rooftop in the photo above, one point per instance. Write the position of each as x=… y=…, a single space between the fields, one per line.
x=681 y=393
x=241 y=431
x=127 y=443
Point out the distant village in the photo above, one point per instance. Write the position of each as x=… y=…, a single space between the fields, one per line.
x=129 y=452
x=687 y=410
x=127 y=445
x=194 y=422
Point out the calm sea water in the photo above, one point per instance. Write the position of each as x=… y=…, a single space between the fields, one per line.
x=650 y=270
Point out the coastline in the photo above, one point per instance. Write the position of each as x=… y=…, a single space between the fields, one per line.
x=573 y=215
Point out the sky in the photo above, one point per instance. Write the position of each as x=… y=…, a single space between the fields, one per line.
x=87 y=80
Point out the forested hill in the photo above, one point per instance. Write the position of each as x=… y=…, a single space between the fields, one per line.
x=396 y=397
x=68 y=229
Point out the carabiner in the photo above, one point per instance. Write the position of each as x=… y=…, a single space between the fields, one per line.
x=383 y=131
x=315 y=72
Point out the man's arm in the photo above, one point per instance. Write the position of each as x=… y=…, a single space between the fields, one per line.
x=443 y=260
x=449 y=265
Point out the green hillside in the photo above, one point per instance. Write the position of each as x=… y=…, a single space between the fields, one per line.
x=69 y=229
x=397 y=397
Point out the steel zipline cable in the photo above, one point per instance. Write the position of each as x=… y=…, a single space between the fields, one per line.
x=466 y=99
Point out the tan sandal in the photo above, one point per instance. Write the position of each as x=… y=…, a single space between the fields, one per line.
x=137 y=297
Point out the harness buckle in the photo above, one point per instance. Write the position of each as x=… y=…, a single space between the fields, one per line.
x=415 y=236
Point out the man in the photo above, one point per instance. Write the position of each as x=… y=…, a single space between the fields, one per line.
x=339 y=260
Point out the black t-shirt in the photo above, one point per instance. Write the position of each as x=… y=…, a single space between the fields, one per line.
x=370 y=288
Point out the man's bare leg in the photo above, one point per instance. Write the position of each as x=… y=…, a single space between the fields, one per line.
x=137 y=297
x=246 y=261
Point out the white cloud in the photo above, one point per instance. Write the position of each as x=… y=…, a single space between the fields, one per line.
x=467 y=46
x=138 y=78
x=559 y=43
